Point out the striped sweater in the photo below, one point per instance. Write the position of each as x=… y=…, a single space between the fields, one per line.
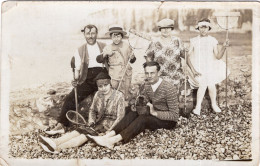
x=164 y=100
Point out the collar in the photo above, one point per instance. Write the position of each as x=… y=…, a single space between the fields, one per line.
x=156 y=85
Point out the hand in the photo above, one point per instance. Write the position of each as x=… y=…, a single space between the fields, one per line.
x=91 y=124
x=186 y=49
x=133 y=108
x=108 y=52
x=226 y=43
x=152 y=111
x=132 y=56
x=158 y=45
x=196 y=74
x=74 y=83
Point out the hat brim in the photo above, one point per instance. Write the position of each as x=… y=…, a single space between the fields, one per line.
x=197 y=27
x=116 y=31
x=171 y=26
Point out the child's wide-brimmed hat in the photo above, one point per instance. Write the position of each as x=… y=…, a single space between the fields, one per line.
x=203 y=23
x=166 y=23
x=116 y=29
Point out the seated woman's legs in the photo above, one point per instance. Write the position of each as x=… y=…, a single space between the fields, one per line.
x=74 y=142
x=66 y=137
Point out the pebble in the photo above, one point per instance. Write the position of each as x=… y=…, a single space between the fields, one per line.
x=186 y=141
x=235 y=157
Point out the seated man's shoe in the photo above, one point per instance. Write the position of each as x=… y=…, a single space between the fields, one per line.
x=102 y=141
x=57 y=130
x=49 y=143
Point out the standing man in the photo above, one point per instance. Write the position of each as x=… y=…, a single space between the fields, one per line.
x=164 y=110
x=87 y=69
x=117 y=56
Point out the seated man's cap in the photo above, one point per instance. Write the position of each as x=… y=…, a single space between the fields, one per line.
x=166 y=23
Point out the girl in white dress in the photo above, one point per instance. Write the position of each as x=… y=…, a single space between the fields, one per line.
x=207 y=68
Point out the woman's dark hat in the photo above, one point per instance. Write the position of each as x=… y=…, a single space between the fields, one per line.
x=102 y=76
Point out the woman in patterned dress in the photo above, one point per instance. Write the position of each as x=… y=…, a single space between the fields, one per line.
x=107 y=109
x=168 y=51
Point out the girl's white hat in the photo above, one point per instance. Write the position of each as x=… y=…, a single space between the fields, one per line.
x=203 y=23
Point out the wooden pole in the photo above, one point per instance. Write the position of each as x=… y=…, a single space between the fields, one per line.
x=226 y=59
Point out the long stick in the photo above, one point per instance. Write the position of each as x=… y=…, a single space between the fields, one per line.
x=185 y=81
x=76 y=98
x=226 y=58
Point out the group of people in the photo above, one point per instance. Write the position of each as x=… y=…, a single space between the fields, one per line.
x=105 y=71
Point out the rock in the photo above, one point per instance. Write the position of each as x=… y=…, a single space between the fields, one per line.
x=213 y=157
x=44 y=103
x=222 y=150
x=235 y=157
x=228 y=158
x=51 y=92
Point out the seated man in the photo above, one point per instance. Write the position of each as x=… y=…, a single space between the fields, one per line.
x=164 y=111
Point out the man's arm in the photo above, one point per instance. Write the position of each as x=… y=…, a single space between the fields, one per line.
x=77 y=64
x=131 y=55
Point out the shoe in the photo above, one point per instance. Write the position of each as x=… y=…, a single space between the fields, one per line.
x=101 y=141
x=216 y=108
x=196 y=111
x=46 y=149
x=50 y=144
x=57 y=130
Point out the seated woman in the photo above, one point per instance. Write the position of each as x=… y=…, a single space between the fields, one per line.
x=106 y=111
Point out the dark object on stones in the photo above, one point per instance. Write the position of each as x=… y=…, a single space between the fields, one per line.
x=86 y=130
x=141 y=105
x=143 y=110
x=51 y=92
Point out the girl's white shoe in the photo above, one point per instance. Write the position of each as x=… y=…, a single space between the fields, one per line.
x=196 y=111
x=216 y=108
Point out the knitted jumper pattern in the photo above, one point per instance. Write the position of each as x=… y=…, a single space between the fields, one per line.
x=164 y=100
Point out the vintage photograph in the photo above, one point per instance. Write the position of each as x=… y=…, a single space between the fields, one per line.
x=167 y=81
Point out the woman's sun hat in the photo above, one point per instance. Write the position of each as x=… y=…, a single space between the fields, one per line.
x=166 y=23
x=116 y=29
